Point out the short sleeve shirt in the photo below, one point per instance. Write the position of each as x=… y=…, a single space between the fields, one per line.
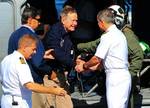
x=113 y=49
x=15 y=73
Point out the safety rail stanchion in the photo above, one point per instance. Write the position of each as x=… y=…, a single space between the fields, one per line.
x=146 y=68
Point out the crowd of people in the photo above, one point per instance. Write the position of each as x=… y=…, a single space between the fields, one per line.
x=34 y=73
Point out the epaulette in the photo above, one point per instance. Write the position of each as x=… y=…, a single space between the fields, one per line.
x=22 y=61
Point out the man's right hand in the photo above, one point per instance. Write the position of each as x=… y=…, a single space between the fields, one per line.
x=49 y=54
x=79 y=66
x=60 y=91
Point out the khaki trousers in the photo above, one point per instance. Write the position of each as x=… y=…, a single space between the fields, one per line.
x=38 y=100
x=49 y=100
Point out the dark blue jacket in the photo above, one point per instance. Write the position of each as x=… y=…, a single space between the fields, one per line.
x=37 y=64
x=59 y=40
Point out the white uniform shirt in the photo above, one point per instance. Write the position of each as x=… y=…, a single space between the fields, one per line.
x=114 y=53
x=15 y=73
x=113 y=49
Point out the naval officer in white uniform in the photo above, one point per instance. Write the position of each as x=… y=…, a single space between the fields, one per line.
x=16 y=78
x=112 y=52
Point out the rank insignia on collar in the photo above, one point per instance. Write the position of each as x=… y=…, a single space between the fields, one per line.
x=22 y=60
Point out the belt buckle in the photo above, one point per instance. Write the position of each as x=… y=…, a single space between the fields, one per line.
x=14 y=103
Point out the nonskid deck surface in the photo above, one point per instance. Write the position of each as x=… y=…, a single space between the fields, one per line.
x=80 y=100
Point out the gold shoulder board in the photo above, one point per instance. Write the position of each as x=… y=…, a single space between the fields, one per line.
x=22 y=60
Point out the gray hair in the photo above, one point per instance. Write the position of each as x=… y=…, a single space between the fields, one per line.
x=66 y=10
x=29 y=12
x=106 y=15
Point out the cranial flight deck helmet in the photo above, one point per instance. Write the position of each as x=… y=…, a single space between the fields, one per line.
x=119 y=15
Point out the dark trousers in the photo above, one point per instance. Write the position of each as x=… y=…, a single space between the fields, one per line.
x=62 y=80
x=134 y=92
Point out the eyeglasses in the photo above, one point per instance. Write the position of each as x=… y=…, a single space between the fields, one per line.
x=38 y=20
